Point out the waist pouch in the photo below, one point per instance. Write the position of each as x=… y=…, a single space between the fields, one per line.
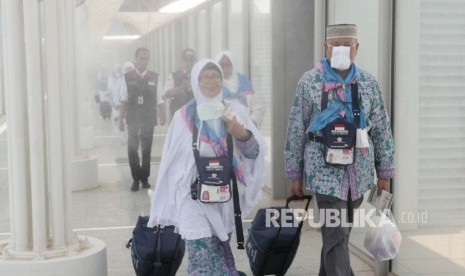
x=213 y=184
x=339 y=139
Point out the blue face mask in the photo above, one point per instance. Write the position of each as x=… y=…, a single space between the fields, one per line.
x=210 y=110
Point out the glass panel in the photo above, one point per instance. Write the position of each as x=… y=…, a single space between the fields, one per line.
x=431 y=171
x=2 y=89
x=236 y=33
x=167 y=49
x=191 y=31
x=216 y=29
x=202 y=42
x=260 y=64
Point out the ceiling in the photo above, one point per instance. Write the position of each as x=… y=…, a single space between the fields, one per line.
x=139 y=16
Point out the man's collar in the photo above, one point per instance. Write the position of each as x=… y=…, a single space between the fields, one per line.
x=142 y=75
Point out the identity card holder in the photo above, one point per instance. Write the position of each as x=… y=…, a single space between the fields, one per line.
x=362 y=138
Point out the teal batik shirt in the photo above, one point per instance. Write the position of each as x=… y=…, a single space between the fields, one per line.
x=302 y=153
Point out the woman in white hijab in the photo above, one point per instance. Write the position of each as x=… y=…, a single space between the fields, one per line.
x=207 y=227
x=238 y=89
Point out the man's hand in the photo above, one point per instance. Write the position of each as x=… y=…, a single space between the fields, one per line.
x=185 y=85
x=297 y=188
x=383 y=184
x=162 y=114
x=122 y=115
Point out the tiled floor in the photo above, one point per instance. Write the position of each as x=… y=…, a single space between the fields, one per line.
x=110 y=211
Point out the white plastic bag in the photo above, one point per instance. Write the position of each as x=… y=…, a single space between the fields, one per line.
x=383 y=241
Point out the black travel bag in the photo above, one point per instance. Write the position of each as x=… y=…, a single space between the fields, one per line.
x=272 y=249
x=156 y=251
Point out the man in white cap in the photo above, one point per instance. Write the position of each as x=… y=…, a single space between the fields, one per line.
x=338 y=135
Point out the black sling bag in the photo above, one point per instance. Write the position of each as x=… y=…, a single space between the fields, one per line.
x=215 y=174
x=340 y=136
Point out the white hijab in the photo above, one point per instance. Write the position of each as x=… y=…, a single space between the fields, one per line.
x=172 y=203
x=233 y=82
x=200 y=97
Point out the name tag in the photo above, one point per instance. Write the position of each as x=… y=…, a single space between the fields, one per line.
x=362 y=139
x=151 y=83
x=339 y=141
x=140 y=100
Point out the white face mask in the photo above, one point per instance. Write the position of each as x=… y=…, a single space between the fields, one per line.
x=210 y=110
x=340 y=59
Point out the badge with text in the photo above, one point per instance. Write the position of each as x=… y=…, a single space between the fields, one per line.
x=339 y=141
x=214 y=179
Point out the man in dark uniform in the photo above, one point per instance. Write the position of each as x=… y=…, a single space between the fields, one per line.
x=178 y=86
x=139 y=106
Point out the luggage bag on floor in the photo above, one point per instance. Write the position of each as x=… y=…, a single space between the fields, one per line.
x=156 y=251
x=272 y=249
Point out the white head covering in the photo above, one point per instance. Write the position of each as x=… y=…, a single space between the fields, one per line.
x=195 y=73
x=233 y=82
x=201 y=98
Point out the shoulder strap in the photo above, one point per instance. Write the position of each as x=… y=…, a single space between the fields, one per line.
x=236 y=203
x=324 y=100
x=355 y=104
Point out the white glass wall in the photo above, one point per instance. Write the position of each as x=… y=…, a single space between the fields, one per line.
x=191 y=31
x=260 y=65
x=236 y=33
x=2 y=91
x=202 y=35
x=430 y=137
x=216 y=29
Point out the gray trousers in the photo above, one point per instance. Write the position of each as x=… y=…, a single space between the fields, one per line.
x=335 y=260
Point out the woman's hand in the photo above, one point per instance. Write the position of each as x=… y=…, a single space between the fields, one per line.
x=236 y=129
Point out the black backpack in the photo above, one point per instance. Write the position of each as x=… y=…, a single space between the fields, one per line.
x=156 y=251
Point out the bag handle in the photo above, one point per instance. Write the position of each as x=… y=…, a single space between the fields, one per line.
x=295 y=198
x=299 y=228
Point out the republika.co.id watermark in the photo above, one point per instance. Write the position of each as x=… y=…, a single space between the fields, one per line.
x=337 y=217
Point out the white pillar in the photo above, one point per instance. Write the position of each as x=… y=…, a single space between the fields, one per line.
x=53 y=117
x=40 y=94
x=320 y=29
x=17 y=135
x=84 y=166
x=36 y=126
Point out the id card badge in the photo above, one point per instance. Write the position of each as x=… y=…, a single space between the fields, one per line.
x=140 y=100
x=340 y=156
x=362 y=138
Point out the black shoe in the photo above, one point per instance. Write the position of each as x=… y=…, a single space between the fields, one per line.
x=241 y=273
x=135 y=186
x=145 y=185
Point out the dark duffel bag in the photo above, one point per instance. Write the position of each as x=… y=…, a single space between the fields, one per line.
x=271 y=248
x=156 y=251
x=105 y=110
